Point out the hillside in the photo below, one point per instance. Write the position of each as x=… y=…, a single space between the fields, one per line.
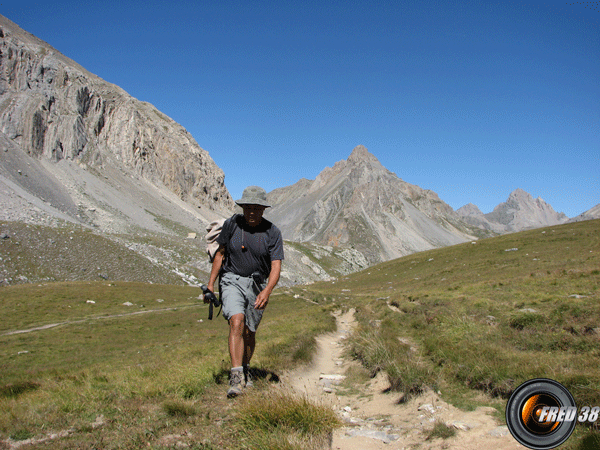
x=493 y=312
x=78 y=143
x=590 y=214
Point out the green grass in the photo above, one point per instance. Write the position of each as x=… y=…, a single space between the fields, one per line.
x=171 y=225
x=152 y=369
x=37 y=305
x=462 y=320
x=483 y=318
x=38 y=254
x=440 y=431
x=283 y=420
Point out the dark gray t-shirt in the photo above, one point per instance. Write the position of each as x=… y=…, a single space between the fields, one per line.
x=250 y=249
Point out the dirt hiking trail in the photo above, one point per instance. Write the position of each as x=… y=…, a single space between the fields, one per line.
x=373 y=419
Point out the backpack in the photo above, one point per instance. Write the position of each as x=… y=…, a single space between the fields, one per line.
x=213 y=230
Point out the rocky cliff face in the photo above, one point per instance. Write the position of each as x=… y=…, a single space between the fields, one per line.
x=360 y=204
x=54 y=110
x=520 y=212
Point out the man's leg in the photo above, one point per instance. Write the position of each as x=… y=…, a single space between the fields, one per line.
x=236 y=340
x=249 y=344
x=236 y=352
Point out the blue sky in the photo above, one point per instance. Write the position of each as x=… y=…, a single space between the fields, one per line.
x=471 y=99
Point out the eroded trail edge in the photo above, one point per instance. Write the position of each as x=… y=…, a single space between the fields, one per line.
x=373 y=418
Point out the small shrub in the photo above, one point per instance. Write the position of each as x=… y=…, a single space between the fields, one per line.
x=304 y=349
x=370 y=349
x=525 y=320
x=179 y=409
x=411 y=379
x=279 y=409
x=440 y=430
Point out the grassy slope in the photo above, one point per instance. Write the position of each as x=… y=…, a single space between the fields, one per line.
x=486 y=316
x=480 y=317
x=35 y=253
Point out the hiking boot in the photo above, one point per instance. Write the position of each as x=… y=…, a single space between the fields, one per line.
x=235 y=384
x=248 y=378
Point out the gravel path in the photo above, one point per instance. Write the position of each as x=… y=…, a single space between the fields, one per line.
x=374 y=420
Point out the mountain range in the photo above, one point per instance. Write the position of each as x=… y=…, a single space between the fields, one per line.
x=359 y=203
x=77 y=149
x=520 y=212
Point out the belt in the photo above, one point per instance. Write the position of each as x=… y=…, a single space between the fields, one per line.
x=256 y=277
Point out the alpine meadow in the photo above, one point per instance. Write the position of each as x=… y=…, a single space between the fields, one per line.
x=471 y=321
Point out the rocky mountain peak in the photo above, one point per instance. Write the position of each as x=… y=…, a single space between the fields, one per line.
x=359 y=204
x=469 y=209
x=521 y=211
x=523 y=200
x=361 y=155
x=520 y=195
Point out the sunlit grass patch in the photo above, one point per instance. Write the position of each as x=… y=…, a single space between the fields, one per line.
x=179 y=408
x=380 y=349
x=281 y=419
x=440 y=431
x=303 y=323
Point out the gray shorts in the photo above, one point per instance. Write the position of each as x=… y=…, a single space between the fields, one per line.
x=239 y=294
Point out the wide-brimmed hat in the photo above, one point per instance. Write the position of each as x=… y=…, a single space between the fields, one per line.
x=254 y=195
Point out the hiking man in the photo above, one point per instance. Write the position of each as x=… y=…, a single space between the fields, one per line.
x=250 y=253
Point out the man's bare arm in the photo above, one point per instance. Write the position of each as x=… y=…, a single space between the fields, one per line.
x=216 y=267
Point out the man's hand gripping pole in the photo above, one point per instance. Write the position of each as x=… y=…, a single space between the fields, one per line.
x=211 y=299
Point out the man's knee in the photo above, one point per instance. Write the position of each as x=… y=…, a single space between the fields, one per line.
x=237 y=323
